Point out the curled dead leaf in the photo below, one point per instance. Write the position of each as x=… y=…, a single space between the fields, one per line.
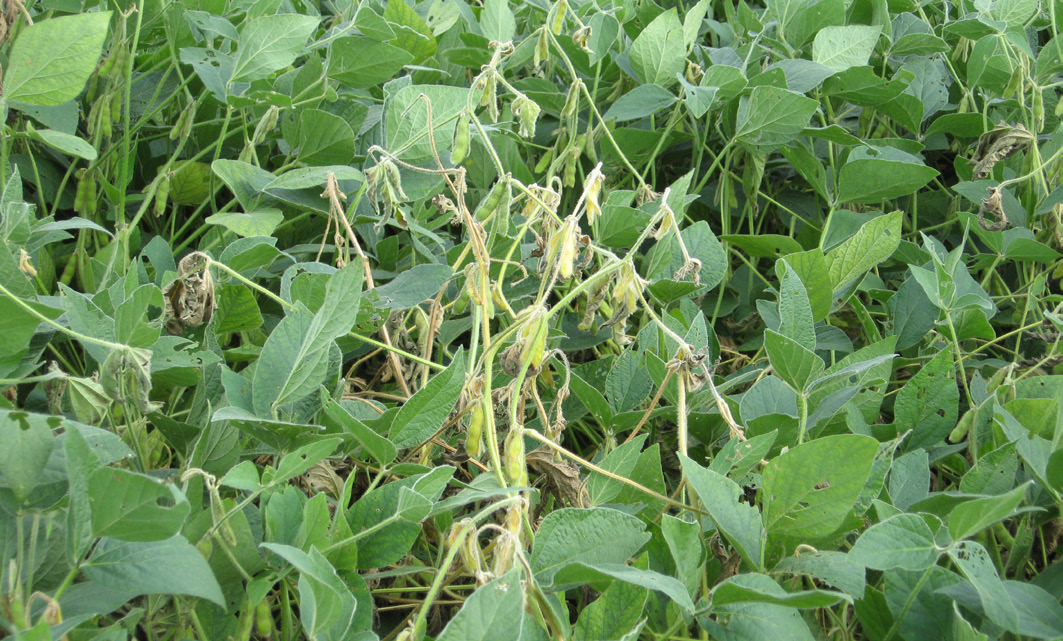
x=189 y=300
x=996 y=145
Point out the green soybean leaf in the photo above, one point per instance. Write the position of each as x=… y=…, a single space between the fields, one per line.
x=876 y=241
x=928 y=404
x=270 y=43
x=738 y=521
x=749 y=621
x=327 y=605
x=360 y=62
x=810 y=490
x=379 y=448
x=640 y=102
x=171 y=566
x=591 y=536
x=872 y=174
x=771 y=117
x=497 y=21
x=614 y=614
x=66 y=143
x=843 y=47
x=974 y=516
x=793 y=362
x=426 y=411
x=731 y=591
x=294 y=357
x=27 y=445
x=659 y=52
x=901 y=541
x=833 y=568
x=52 y=59
x=494 y=612
x=580 y=572
x=323 y=138
x=974 y=562
x=133 y=507
x=411 y=33
x=299 y=461
x=407 y=123
x=795 y=309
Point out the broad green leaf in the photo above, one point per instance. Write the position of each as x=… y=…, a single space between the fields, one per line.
x=913 y=314
x=795 y=310
x=497 y=21
x=751 y=621
x=802 y=19
x=592 y=536
x=659 y=51
x=270 y=43
x=407 y=122
x=738 y=521
x=27 y=445
x=494 y=612
x=411 y=33
x=1040 y=614
x=843 y=47
x=361 y=63
x=172 y=566
x=427 y=410
x=411 y=287
x=832 y=568
x=684 y=543
x=293 y=359
x=18 y=326
x=605 y=29
x=697 y=99
x=301 y=460
x=771 y=117
x=66 y=143
x=254 y=223
x=974 y=562
x=133 y=507
x=910 y=479
x=927 y=601
x=974 y=516
x=326 y=605
x=872 y=174
x=928 y=404
x=52 y=59
x=666 y=258
x=323 y=139
x=640 y=102
x=901 y=541
x=811 y=267
x=378 y=447
x=731 y=591
x=794 y=363
x=616 y=612
x=621 y=461
x=990 y=65
x=626 y=385
x=81 y=462
x=876 y=241
x=244 y=476
x=809 y=490
x=580 y=572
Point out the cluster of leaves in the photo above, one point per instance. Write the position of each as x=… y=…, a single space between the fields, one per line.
x=586 y=320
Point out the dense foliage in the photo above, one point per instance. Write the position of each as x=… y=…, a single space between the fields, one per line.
x=590 y=320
